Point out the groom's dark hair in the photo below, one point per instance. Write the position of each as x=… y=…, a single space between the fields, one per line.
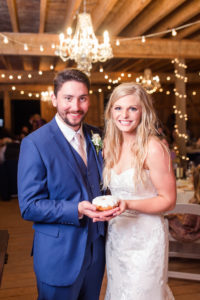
x=70 y=75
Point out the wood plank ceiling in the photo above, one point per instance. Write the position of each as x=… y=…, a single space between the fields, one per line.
x=38 y=22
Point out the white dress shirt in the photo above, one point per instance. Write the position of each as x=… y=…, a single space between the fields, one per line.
x=69 y=133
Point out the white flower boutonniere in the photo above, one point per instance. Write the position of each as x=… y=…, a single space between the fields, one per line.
x=97 y=141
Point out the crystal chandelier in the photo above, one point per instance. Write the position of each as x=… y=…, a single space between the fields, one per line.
x=149 y=82
x=84 y=47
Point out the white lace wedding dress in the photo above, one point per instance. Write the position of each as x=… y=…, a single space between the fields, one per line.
x=136 y=247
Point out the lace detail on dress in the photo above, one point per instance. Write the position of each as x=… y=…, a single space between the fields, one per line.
x=136 y=247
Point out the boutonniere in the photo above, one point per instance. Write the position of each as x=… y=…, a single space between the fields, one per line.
x=97 y=141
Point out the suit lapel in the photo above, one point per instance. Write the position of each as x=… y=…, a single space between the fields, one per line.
x=98 y=158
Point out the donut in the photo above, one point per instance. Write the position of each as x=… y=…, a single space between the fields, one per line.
x=105 y=202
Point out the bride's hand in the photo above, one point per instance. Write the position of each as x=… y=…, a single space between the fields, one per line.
x=122 y=207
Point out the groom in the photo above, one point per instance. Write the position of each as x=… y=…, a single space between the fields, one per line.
x=59 y=173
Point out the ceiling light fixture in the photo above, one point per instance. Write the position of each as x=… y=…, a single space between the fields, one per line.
x=149 y=82
x=84 y=47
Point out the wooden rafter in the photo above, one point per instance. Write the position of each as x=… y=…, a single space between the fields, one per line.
x=134 y=65
x=120 y=64
x=101 y=11
x=5 y=62
x=189 y=10
x=184 y=33
x=60 y=64
x=157 y=10
x=72 y=7
x=43 y=8
x=45 y=63
x=28 y=64
x=125 y=14
x=153 y=48
x=13 y=14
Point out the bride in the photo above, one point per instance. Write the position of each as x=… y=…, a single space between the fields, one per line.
x=138 y=171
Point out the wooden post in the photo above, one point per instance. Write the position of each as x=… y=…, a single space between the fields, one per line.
x=180 y=107
x=47 y=110
x=7 y=111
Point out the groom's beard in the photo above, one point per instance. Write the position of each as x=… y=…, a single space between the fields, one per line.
x=72 y=122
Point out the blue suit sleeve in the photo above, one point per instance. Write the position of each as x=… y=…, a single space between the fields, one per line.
x=34 y=201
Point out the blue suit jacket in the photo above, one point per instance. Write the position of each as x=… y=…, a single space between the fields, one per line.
x=50 y=186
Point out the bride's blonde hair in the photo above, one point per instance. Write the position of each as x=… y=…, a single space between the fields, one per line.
x=113 y=136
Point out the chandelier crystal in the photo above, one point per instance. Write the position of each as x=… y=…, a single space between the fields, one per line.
x=84 y=47
x=149 y=82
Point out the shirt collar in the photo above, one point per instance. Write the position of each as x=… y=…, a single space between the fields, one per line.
x=68 y=132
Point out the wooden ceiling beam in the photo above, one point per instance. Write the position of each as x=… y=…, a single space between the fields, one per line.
x=185 y=13
x=120 y=64
x=43 y=9
x=134 y=65
x=60 y=64
x=102 y=9
x=184 y=33
x=72 y=8
x=152 y=48
x=5 y=62
x=45 y=63
x=156 y=11
x=27 y=62
x=124 y=15
x=13 y=15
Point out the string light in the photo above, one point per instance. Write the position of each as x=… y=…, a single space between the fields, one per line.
x=117 y=43
x=5 y=40
x=25 y=47
x=174 y=32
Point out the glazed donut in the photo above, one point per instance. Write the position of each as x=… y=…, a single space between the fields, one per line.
x=105 y=202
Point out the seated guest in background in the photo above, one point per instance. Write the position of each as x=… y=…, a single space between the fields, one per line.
x=24 y=132
x=186 y=227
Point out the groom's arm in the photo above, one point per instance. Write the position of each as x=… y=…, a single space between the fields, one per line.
x=33 y=194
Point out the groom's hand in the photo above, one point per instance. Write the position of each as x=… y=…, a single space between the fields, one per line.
x=88 y=209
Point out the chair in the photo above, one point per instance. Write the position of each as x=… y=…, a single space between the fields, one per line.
x=184 y=249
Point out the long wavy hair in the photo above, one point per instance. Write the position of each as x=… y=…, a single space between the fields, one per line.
x=113 y=137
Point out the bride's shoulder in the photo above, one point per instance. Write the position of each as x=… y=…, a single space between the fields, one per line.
x=156 y=147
